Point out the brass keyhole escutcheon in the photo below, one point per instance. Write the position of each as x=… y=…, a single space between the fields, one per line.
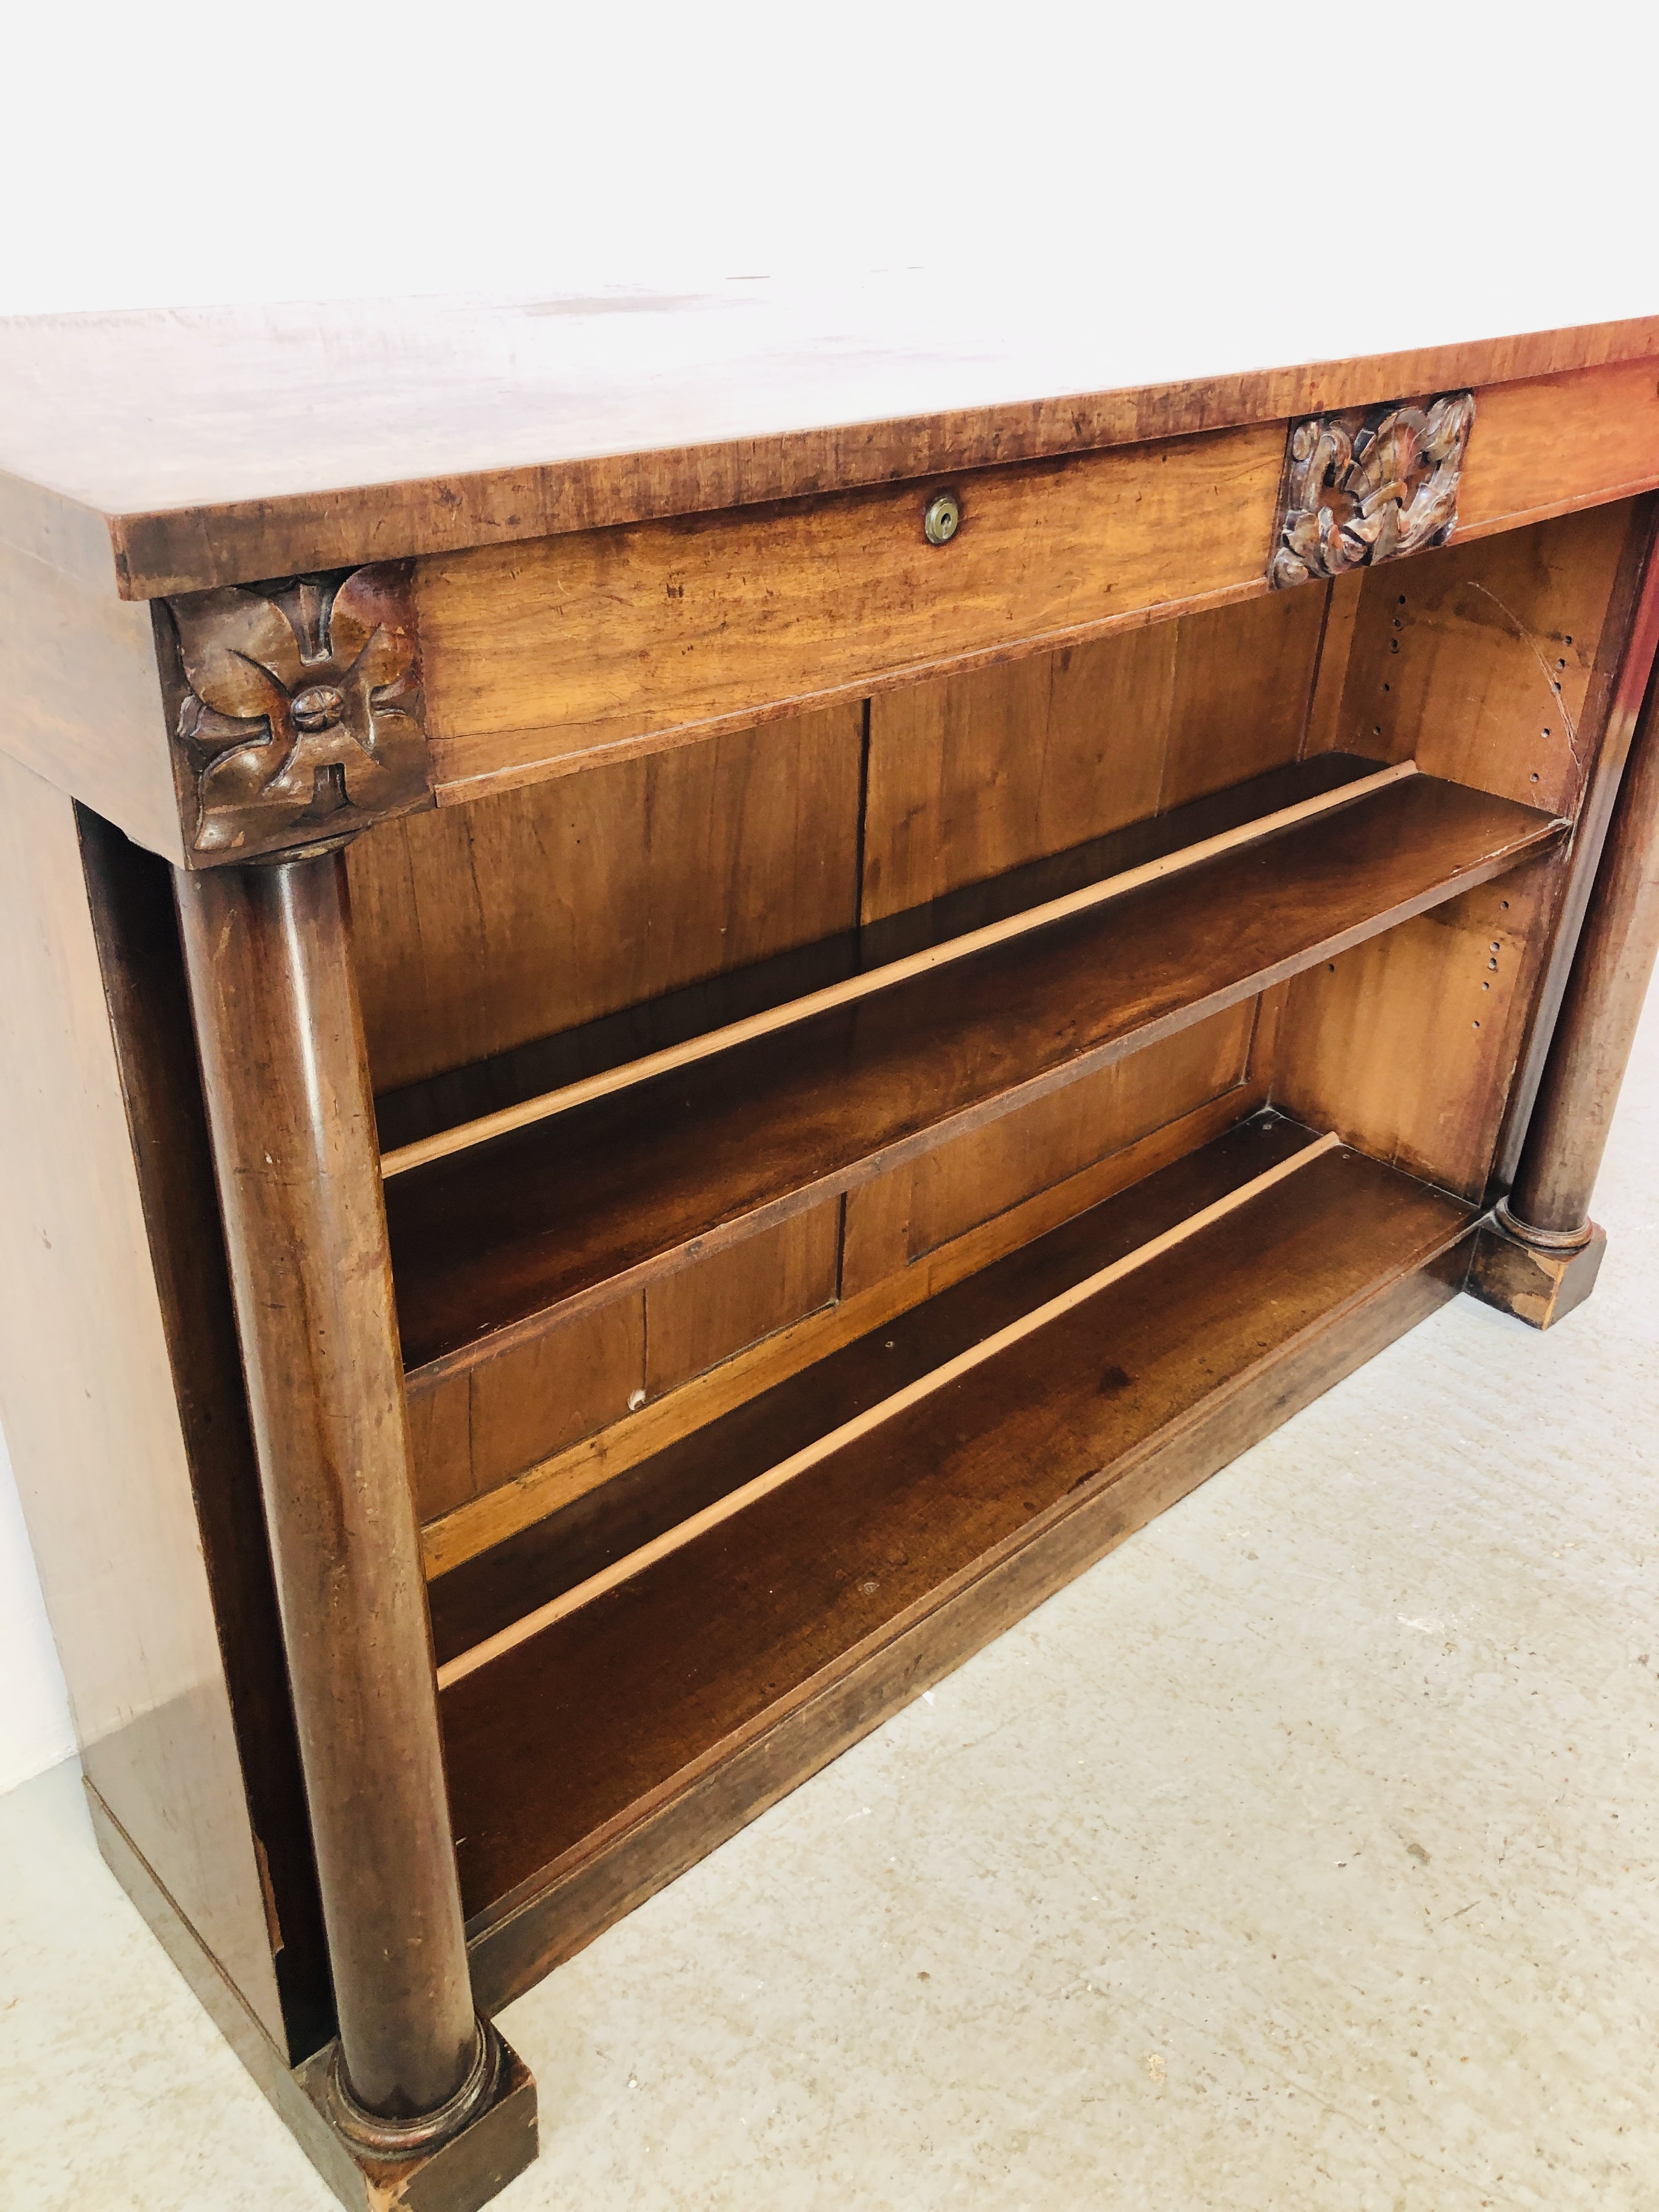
x=943 y=518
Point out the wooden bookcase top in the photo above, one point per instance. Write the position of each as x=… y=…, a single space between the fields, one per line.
x=175 y=450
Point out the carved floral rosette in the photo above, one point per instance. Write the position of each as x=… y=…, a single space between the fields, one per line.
x=1366 y=487
x=299 y=709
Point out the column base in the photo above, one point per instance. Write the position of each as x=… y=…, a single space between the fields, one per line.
x=1534 y=1274
x=459 y=2174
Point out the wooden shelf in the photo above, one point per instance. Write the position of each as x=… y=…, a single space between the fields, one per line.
x=493 y=1245
x=859 y=961
x=790 y=1625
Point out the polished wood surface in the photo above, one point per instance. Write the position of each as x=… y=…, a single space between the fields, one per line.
x=761 y=1608
x=1498 y=661
x=181 y=451
x=974 y=777
x=1559 y=443
x=281 y=1040
x=135 y=923
x=572 y=1210
x=606 y=642
x=624 y=1564
x=683 y=1024
x=595 y=1884
x=1604 y=999
x=482 y=930
x=102 y=1453
x=461 y=2175
x=476 y=1601
x=768 y=1163
x=877 y=974
x=1625 y=659
x=81 y=698
x=1158 y=1107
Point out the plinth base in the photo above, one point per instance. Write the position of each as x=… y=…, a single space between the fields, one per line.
x=460 y=2175
x=1536 y=1278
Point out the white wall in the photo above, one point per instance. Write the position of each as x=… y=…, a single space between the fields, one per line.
x=1186 y=163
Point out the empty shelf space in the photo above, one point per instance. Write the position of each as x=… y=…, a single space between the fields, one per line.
x=447 y=1111
x=490 y=1246
x=486 y=1596
x=995 y=1476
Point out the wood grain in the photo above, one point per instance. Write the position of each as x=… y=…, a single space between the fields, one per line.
x=575 y=1898
x=1624 y=665
x=576 y=1211
x=1336 y=780
x=473 y=1432
x=566 y=1477
x=430 y=1119
x=1325 y=725
x=1605 y=991
x=135 y=924
x=536 y=1400
x=1388 y=1049
x=1550 y=445
x=1480 y=661
x=176 y=452
x=1409 y=1043
x=92 y=1420
x=768 y=1606
x=975 y=774
x=81 y=699
x=268 y=957
x=916 y=1209
x=696 y=1319
x=855 y=1427
x=616 y=639
x=530 y=913
x=590 y=1530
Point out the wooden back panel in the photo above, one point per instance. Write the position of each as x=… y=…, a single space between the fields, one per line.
x=480 y=926
x=973 y=775
x=1491 y=662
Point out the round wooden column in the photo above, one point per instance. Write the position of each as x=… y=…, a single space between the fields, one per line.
x=1614 y=962
x=280 y=1038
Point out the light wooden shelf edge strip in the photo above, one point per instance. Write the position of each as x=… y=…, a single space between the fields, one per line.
x=461 y=1139
x=624 y=1569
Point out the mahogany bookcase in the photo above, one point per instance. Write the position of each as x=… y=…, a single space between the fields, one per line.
x=688 y=1011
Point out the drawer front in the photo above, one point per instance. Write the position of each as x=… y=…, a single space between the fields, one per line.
x=539 y=653
x=547 y=655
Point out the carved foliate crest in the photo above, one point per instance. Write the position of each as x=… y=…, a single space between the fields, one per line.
x=1366 y=486
x=298 y=709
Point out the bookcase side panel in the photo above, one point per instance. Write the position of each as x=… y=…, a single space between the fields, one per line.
x=86 y=1396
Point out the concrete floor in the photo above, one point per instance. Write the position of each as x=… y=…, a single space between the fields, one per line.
x=1302 y=1855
